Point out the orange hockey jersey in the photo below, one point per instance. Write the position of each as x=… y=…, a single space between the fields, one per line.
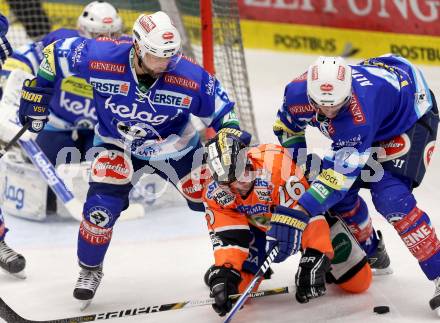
x=277 y=181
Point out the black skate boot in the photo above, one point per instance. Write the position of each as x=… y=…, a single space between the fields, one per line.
x=11 y=261
x=435 y=300
x=379 y=261
x=87 y=283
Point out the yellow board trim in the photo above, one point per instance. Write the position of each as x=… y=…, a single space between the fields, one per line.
x=334 y=41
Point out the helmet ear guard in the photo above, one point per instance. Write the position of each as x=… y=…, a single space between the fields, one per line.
x=329 y=82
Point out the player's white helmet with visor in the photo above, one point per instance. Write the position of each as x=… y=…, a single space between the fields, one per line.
x=329 y=83
x=100 y=18
x=157 y=36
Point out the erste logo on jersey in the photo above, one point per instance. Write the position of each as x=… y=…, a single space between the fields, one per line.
x=172 y=99
x=110 y=86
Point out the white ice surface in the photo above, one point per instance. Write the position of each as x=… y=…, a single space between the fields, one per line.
x=162 y=258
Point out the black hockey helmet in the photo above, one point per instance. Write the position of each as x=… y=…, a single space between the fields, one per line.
x=226 y=158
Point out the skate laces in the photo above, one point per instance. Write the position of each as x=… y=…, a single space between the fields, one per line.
x=89 y=279
x=7 y=254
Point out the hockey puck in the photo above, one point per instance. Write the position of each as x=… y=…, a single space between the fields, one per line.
x=381 y=309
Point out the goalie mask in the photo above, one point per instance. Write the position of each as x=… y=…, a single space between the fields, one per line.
x=329 y=83
x=99 y=18
x=226 y=159
x=155 y=35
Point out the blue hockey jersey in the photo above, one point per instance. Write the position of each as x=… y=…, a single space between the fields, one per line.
x=155 y=122
x=4 y=26
x=389 y=96
x=72 y=103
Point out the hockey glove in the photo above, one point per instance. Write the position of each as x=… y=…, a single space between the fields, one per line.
x=34 y=105
x=286 y=228
x=242 y=136
x=5 y=49
x=310 y=277
x=223 y=282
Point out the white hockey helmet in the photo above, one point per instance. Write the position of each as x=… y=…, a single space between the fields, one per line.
x=329 y=82
x=99 y=18
x=155 y=34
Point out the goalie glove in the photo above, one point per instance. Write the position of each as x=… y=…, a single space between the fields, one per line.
x=310 y=277
x=34 y=105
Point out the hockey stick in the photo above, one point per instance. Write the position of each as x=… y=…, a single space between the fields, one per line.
x=14 y=139
x=52 y=178
x=9 y=315
x=258 y=276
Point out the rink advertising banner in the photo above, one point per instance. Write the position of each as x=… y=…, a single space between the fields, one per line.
x=358 y=28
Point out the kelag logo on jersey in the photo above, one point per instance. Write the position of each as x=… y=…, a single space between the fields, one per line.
x=173 y=99
x=110 y=86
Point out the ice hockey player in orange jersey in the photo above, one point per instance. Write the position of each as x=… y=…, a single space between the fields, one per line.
x=249 y=202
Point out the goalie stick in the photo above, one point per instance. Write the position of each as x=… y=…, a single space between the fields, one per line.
x=258 y=276
x=10 y=316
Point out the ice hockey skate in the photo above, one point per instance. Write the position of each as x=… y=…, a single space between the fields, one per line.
x=435 y=300
x=380 y=261
x=11 y=261
x=86 y=285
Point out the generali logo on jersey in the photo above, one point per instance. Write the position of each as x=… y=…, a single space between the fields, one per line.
x=181 y=81
x=301 y=109
x=103 y=66
x=356 y=111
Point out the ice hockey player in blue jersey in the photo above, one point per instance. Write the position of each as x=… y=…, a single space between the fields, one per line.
x=144 y=95
x=382 y=102
x=10 y=260
x=73 y=114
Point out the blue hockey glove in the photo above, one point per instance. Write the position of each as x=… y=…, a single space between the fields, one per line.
x=5 y=50
x=286 y=228
x=34 y=105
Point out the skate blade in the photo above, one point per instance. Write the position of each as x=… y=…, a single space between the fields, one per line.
x=19 y=275
x=84 y=304
x=382 y=272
